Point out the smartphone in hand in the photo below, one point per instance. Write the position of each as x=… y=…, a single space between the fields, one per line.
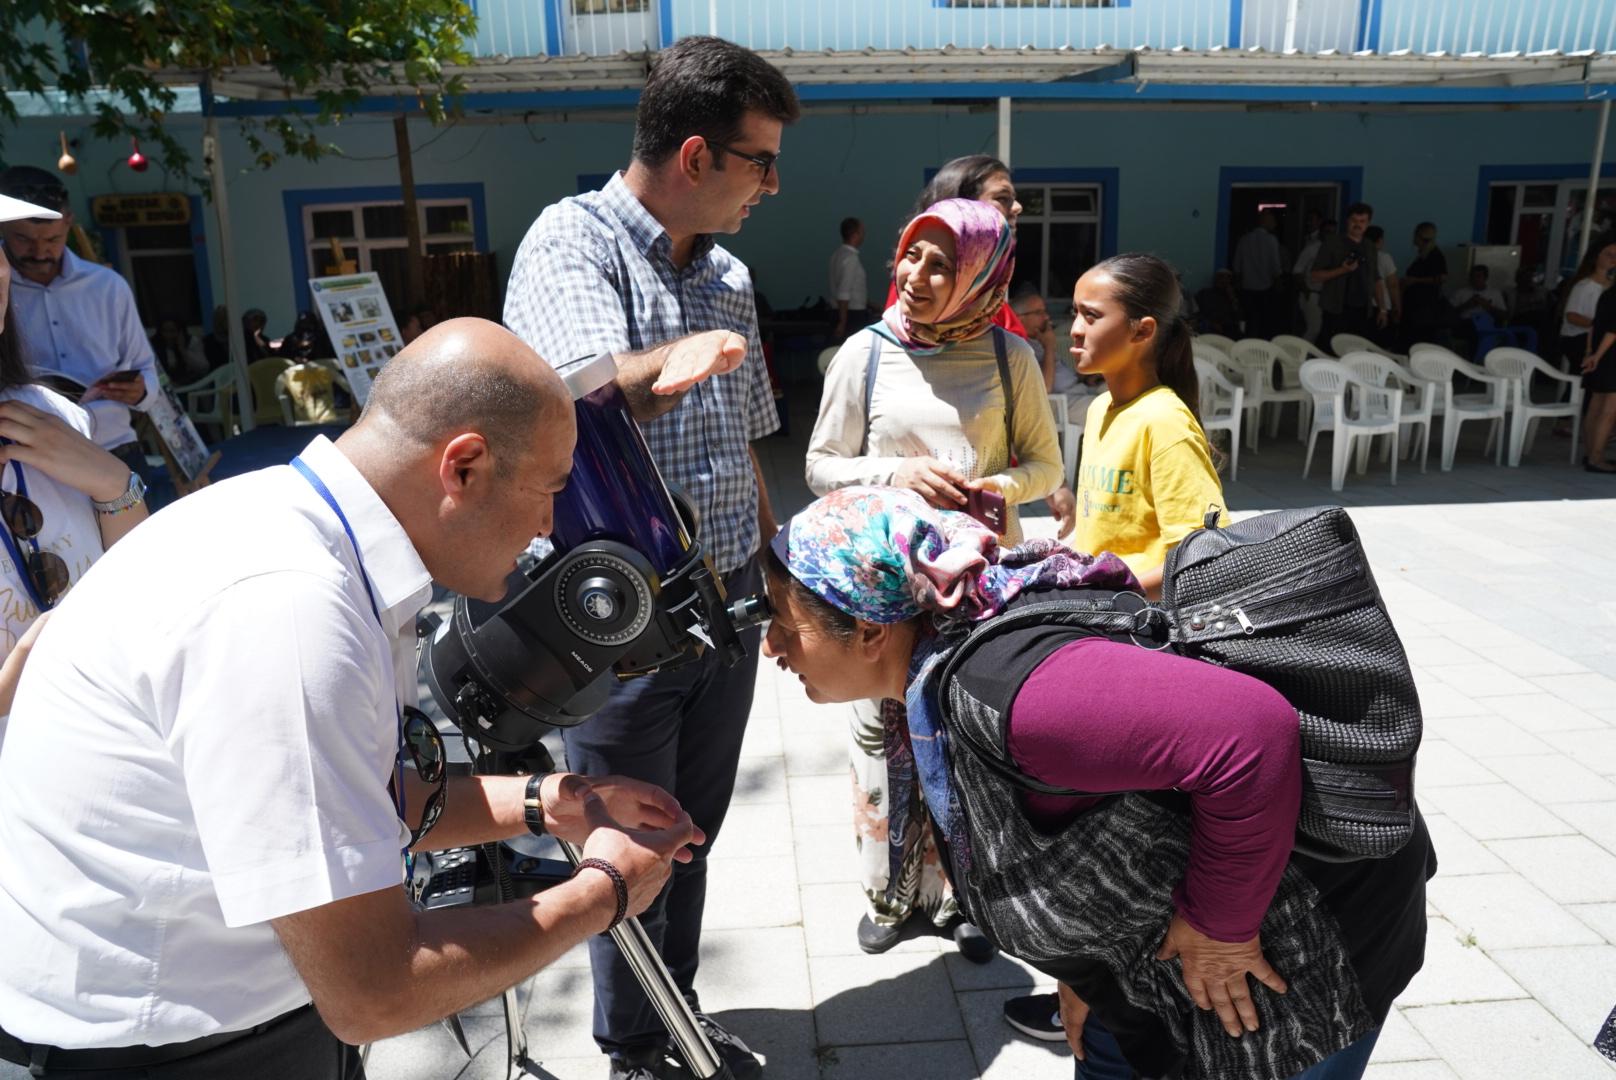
x=986 y=506
x=120 y=377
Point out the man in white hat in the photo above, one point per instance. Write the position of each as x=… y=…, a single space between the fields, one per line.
x=75 y=318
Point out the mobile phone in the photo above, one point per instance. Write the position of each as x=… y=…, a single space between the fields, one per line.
x=986 y=506
x=120 y=377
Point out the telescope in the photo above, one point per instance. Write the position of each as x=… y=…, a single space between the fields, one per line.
x=622 y=589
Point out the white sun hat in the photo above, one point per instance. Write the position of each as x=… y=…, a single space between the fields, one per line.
x=17 y=210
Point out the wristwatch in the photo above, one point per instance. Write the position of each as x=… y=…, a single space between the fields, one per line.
x=131 y=495
x=533 y=806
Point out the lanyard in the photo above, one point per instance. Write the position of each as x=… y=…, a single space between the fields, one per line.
x=370 y=593
x=14 y=547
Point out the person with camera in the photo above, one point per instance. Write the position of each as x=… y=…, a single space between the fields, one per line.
x=205 y=822
x=1347 y=274
x=77 y=319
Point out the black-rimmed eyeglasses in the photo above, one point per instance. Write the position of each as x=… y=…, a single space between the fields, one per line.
x=47 y=572
x=425 y=748
x=765 y=162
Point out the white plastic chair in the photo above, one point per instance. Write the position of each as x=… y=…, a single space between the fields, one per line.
x=1299 y=349
x=1222 y=408
x=1217 y=341
x=1519 y=365
x=1069 y=433
x=1378 y=412
x=1437 y=364
x=210 y=399
x=1419 y=396
x=1351 y=343
x=1259 y=359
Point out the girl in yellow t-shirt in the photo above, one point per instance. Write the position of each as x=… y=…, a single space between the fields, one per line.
x=1146 y=477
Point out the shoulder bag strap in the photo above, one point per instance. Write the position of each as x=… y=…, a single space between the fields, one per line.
x=871 y=366
x=1000 y=353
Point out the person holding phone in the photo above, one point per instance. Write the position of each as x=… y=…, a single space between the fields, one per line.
x=936 y=399
x=1347 y=275
x=77 y=319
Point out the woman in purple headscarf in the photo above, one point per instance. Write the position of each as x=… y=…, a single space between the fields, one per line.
x=937 y=400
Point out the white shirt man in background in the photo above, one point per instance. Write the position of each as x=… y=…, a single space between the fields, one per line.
x=849 y=287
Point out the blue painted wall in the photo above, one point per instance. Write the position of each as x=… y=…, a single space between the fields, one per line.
x=1168 y=167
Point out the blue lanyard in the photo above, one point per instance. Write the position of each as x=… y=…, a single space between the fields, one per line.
x=14 y=545
x=331 y=500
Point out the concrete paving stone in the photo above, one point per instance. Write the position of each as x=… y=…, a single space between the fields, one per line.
x=1455 y=970
x=760 y=780
x=744 y=893
x=784 y=1038
x=1603 y=663
x=1002 y=973
x=1505 y=911
x=1457 y=852
x=1595 y=748
x=754 y=969
x=1530 y=658
x=1435 y=649
x=825 y=853
x=762 y=737
x=1494 y=812
x=1575 y=983
x=864 y=1000
x=1483 y=735
x=799 y=715
x=1542 y=712
x=813 y=754
x=1399 y=1041
x=1480 y=680
x=1601 y=917
x=426 y=1054
x=1507 y=1040
x=1588 y=691
x=1595 y=820
x=1552 y=778
x=830 y=921
x=1000 y=1050
x=1438 y=699
x=821 y=800
x=1444 y=765
x=1409 y=1070
x=755 y=830
x=945 y=1060
x=1570 y=869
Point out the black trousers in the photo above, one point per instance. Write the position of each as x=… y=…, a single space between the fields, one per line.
x=297 y=1045
x=682 y=730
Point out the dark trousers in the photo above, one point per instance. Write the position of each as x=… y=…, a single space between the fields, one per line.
x=296 y=1045
x=1264 y=310
x=1360 y=321
x=682 y=730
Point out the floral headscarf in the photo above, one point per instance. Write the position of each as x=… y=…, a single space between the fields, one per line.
x=884 y=555
x=984 y=259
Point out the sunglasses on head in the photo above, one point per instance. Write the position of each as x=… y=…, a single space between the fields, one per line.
x=45 y=569
x=425 y=748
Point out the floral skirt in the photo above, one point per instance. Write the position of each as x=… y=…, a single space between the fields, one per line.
x=923 y=885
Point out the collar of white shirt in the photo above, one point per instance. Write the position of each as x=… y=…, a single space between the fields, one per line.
x=73 y=268
x=396 y=572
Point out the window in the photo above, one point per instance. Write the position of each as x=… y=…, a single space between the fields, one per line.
x=1545 y=220
x=610 y=7
x=1027 y=3
x=160 y=264
x=374 y=236
x=1057 y=236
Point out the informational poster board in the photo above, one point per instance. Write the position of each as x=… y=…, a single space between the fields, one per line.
x=355 y=312
x=177 y=433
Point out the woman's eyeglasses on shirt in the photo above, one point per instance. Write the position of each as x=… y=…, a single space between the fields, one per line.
x=45 y=569
x=425 y=748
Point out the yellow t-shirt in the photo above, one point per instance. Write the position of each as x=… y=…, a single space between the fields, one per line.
x=1145 y=480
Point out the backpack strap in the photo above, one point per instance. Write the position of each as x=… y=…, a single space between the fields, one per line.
x=871 y=366
x=1001 y=354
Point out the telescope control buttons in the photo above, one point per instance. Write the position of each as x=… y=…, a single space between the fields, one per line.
x=603 y=598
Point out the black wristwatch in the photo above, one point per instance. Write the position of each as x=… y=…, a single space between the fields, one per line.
x=533 y=806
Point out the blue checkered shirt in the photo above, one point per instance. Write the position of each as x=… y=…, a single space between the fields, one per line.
x=594 y=275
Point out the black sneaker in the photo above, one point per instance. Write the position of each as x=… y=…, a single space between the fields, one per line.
x=742 y=1063
x=875 y=938
x=644 y=1065
x=1036 y=1016
x=972 y=943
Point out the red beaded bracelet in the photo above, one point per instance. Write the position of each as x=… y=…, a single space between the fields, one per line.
x=618 y=884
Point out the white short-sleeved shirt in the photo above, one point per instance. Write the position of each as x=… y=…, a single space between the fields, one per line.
x=69 y=528
x=1584 y=299
x=1388 y=270
x=847 y=278
x=202 y=742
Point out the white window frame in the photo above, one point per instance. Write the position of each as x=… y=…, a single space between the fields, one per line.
x=1554 y=258
x=366 y=245
x=1051 y=217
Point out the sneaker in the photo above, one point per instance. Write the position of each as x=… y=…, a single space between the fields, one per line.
x=972 y=943
x=643 y=1065
x=735 y=1054
x=874 y=938
x=1036 y=1016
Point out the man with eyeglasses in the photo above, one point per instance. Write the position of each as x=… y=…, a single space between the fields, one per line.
x=633 y=270
x=201 y=808
x=77 y=318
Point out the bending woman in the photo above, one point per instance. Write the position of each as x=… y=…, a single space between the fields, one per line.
x=1188 y=938
x=941 y=418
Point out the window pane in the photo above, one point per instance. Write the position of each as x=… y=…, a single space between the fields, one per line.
x=385 y=221
x=1542 y=195
x=165 y=288
x=329 y=223
x=1073 y=200
x=1073 y=248
x=448 y=219
x=609 y=7
x=1032 y=201
x=1501 y=214
x=1029 y=256
x=325 y=265
x=157 y=236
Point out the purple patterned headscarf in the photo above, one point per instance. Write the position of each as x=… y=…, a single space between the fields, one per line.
x=984 y=259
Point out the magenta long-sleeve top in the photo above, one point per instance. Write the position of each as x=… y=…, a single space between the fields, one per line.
x=1105 y=716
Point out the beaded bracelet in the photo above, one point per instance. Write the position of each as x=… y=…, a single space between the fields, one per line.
x=618 y=884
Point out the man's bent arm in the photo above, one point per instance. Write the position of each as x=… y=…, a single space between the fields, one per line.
x=655 y=380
